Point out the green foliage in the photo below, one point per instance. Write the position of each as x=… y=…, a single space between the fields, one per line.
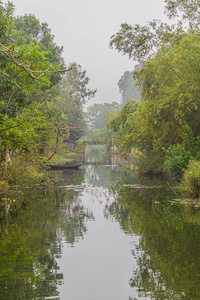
x=176 y=160
x=150 y=162
x=23 y=170
x=36 y=116
x=22 y=98
x=72 y=93
x=96 y=114
x=190 y=184
x=6 y=13
x=188 y=9
x=23 y=130
x=103 y=135
x=141 y=42
x=122 y=122
x=170 y=92
x=169 y=82
x=28 y=29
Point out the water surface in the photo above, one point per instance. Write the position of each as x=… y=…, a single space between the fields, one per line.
x=102 y=233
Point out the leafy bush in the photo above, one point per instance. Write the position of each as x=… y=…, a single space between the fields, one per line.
x=150 y=162
x=190 y=184
x=177 y=159
x=23 y=172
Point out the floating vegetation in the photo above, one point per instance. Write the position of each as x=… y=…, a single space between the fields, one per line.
x=75 y=188
x=137 y=186
x=188 y=201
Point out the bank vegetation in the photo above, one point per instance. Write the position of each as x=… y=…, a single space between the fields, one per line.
x=41 y=98
x=165 y=124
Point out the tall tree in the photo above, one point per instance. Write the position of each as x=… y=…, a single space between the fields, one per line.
x=29 y=29
x=73 y=93
x=128 y=88
x=96 y=114
x=168 y=80
x=22 y=99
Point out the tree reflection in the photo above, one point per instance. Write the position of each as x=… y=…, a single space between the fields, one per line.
x=168 y=260
x=73 y=219
x=97 y=154
x=32 y=231
x=28 y=266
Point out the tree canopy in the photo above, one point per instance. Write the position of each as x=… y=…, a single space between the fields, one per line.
x=168 y=80
x=96 y=114
x=73 y=93
x=38 y=105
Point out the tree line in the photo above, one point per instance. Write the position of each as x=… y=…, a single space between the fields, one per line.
x=165 y=124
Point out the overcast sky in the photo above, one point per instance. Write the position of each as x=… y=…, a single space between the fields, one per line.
x=84 y=28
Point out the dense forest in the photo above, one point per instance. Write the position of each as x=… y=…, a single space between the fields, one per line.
x=41 y=99
x=165 y=124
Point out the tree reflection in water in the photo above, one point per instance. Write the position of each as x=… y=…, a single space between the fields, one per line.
x=31 y=236
x=34 y=227
x=168 y=260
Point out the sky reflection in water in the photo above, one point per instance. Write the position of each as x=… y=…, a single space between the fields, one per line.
x=99 y=235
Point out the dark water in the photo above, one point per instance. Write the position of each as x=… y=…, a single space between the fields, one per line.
x=102 y=233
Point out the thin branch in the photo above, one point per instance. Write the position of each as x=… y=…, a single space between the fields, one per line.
x=55 y=151
x=7 y=52
x=172 y=188
x=55 y=71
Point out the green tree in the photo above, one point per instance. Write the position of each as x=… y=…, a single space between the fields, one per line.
x=170 y=90
x=29 y=61
x=169 y=111
x=28 y=29
x=121 y=123
x=20 y=96
x=73 y=92
x=186 y=9
x=96 y=114
x=168 y=80
x=142 y=42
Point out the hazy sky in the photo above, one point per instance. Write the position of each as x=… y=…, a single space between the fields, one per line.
x=84 y=28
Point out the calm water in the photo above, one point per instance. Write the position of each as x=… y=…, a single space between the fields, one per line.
x=102 y=233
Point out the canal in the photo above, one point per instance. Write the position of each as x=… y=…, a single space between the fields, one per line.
x=100 y=233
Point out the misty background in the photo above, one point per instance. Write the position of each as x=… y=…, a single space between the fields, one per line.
x=84 y=29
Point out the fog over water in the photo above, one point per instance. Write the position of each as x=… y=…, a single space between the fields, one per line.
x=84 y=29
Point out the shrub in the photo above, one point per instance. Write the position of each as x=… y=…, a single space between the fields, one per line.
x=150 y=162
x=190 y=184
x=177 y=159
x=23 y=172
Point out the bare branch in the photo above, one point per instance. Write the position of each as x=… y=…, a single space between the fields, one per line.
x=7 y=52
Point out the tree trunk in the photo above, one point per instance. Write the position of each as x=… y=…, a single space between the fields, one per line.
x=8 y=160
